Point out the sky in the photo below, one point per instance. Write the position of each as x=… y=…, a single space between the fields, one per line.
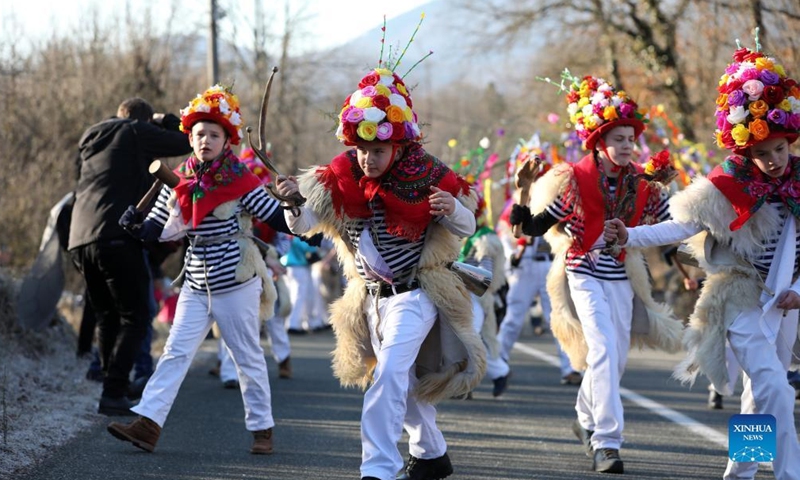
x=330 y=22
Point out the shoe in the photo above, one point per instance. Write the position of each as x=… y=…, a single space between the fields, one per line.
x=572 y=378
x=142 y=433
x=606 y=460
x=230 y=384
x=115 y=407
x=322 y=328
x=500 y=385
x=285 y=368
x=262 y=442
x=584 y=435
x=214 y=371
x=296 y=331
x=714 y=400
x=427 y=469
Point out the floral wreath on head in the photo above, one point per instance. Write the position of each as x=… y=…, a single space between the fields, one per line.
x=219 y=105
x=595 y=107
x=757 y=101
x=381 y=108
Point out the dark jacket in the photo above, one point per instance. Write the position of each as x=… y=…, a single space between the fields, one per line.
x=114 y=156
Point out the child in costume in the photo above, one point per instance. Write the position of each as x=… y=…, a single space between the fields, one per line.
x=226 y=279
x=741 y=222
x=599 y=296
x=394 y=213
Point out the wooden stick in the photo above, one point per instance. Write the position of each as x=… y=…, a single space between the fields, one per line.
x=164 y=176
x=148 y=197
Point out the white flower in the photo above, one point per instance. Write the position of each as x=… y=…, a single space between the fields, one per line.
x=415 y=127
x=795 y=103
x=235 y=119
x=603 y=86
x=598 y=97
x=572 y=109
x=397 y=99
x=737 y=115
x=587 y=110
x=203 y=107
x=355 y=97
x=340 y=131
x=598 y=120
x=374 y=114
x=224 y=108
x=387 y=80
x=239 y=133
x=616 y=100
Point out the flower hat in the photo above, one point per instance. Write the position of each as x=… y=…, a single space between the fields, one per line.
x=381 y=108
x=595 y=107
x=219 y=105
x=248 y=157
x=757 y=101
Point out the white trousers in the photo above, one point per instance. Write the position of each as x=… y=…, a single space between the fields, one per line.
x=397 y=334
x=526 y=282
x=496 y=367
x=732 y=366
x=766 y=390
x=318 y=314
x=605 y=310
x=302 y=293
x=278 y=341
x=236 y=313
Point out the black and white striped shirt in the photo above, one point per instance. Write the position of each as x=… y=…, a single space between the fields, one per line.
x=602 y=265
x=212 y=267
x=767 y=255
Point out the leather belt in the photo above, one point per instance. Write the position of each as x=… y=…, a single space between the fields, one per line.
x=387 y=290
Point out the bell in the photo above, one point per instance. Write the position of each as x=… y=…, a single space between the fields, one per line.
x=476 y=279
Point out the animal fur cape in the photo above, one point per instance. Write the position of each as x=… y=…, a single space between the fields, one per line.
x=489 y=245
x=452 y=360
x=653 y=323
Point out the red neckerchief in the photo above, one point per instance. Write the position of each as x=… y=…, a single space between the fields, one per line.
x=596 y=204
x=403 y=190
x=747 y=187
x=226 y=179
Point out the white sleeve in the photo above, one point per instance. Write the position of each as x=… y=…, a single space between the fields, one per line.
x=461 y=222
x=301 y=223
x=663 y=233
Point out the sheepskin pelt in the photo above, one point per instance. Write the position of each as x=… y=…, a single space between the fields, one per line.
x=452 y=359
x=654 y=324
x=491 y=246
x=732 y=283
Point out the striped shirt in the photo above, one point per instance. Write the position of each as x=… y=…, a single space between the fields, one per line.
x=763 y=261
x=400 y=254
x=597 y=263
x=212 y=267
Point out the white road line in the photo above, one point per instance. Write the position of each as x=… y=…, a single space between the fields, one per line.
x=674 y=416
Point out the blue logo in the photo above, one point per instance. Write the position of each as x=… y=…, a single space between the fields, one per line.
x=751 y=438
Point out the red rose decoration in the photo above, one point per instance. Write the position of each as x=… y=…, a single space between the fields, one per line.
x=727 y=140
x=730 y=87
x=573 y=96
x=740 y=54
x=787 y=83
x=371 y=78
x=773 y=95
x=350 y=131
x=346 y=101
x=398 y=131
x=408 y=101
x=380 y=101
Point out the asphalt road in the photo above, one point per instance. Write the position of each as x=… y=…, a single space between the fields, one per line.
x=525 y=434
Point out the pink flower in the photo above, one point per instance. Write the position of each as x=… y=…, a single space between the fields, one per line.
x=749 y=74
x=384 y=131
x=354 y=115
x=753 y=88
x=626 y=110
x=369 y=91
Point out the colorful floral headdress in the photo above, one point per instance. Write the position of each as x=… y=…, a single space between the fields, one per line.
x=595 y=107
x=219 y=105
x=381 y=108
x=248 y=157
x=757 y=101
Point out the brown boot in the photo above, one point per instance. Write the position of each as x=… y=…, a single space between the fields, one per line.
x=262 y=442
x=142 y=433
x=285 y=368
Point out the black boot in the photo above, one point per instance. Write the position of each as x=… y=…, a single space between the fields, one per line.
x=427 y=469
x=714 y=400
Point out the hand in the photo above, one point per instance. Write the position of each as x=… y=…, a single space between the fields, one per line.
x=130 y=218
x=286 y=186
x=788 y=300
x=518 y=214
x=615 y=232
x=442 y=203
x=275 y=265
x=158 y=118
x=514 y=261
x=690 y=284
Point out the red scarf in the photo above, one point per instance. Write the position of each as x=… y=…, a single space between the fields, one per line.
x=748 y=188
x=403 y=190
x=597 y=204
x=225 y=179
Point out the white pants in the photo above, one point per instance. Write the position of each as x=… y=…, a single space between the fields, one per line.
x=766 y=390
x=302 y=293
x=526 y=282
x=733 y=369
x=605 y=310
x=397 y=335
x=279 y=344
x=236 y=313
x=318 y=314
x=496 y=367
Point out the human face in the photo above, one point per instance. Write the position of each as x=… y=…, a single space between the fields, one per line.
x=208 y=140
x=771 y=156
x=619 y=146
x=375 y=158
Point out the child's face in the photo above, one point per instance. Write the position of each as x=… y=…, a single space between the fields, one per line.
x=375 y=158
x=620 y=142
x=771 y=156
x=208 y=140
